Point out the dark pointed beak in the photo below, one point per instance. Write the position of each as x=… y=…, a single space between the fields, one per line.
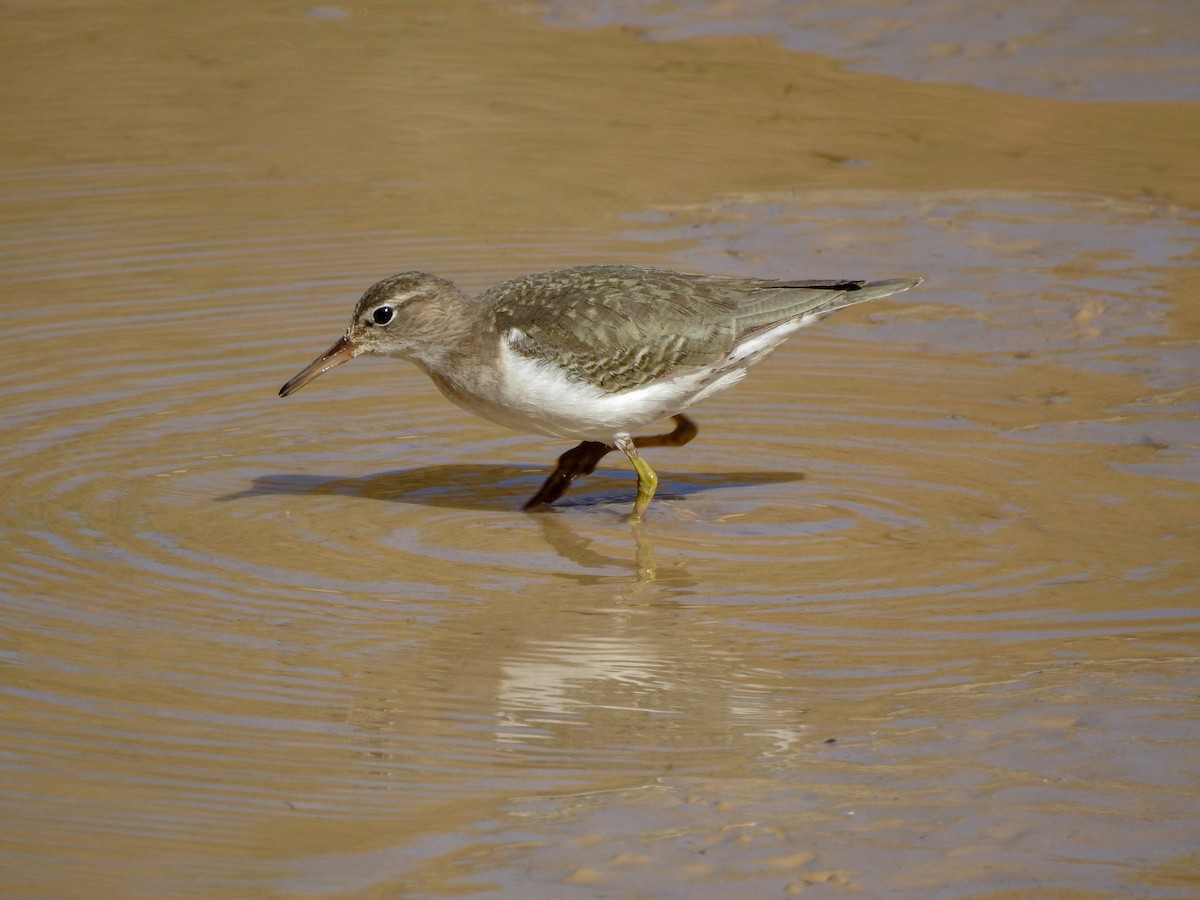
x=343 y=351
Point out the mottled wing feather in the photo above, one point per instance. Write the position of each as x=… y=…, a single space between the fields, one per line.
x=620 y=327
x=615 y=328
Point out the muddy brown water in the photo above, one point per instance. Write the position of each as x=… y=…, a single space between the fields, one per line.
x=916 y=615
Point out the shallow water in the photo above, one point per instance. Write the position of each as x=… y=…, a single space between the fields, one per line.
x=915 y=615
x=1063 y=49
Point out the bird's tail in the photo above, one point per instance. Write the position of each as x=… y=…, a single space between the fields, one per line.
x=777 y=301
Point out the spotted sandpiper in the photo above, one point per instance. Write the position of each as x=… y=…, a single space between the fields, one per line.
x=590 y=353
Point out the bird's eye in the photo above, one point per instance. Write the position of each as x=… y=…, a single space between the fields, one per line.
x=383 y=315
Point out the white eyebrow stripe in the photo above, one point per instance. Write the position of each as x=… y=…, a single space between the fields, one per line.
x=397 y=299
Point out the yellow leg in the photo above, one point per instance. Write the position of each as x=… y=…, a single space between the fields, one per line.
x=582 y=460
x=685 y=430
x=647 y=480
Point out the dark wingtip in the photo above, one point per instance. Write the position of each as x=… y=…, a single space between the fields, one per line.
x=820 y=285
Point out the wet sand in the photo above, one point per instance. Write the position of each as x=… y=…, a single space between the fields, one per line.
x=915 y=615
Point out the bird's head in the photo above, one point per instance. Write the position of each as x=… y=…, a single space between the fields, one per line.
x=412 y=315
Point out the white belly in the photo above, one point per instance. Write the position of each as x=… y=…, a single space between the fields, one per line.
x=537 y=397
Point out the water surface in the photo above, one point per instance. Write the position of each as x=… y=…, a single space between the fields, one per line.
x=915 y=615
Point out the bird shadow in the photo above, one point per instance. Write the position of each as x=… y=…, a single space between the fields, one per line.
x=494 y=487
